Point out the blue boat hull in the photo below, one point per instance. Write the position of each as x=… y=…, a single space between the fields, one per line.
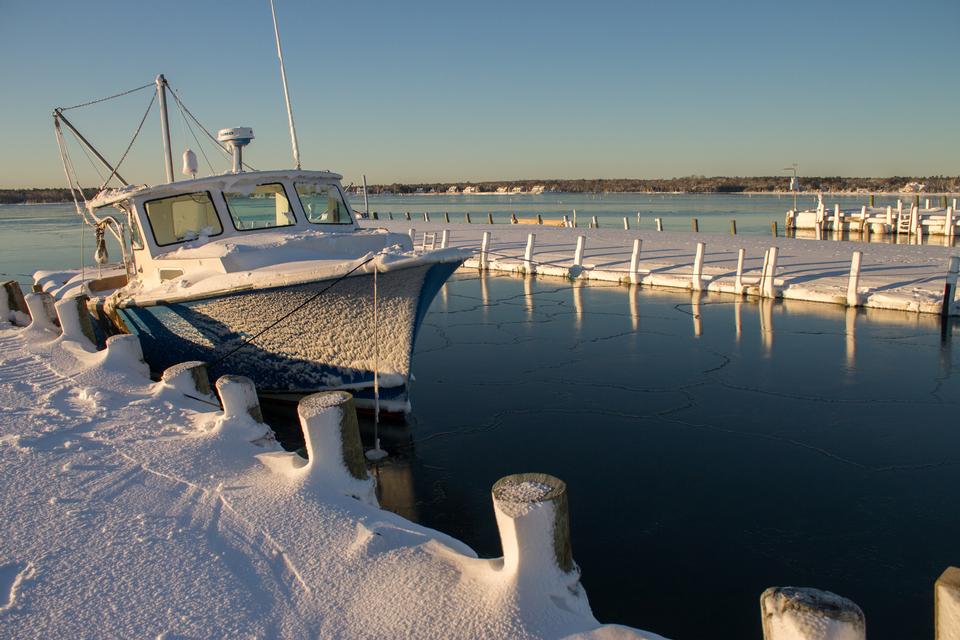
x=290 y=344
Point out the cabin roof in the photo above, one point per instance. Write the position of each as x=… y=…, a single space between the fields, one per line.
x=222 y=181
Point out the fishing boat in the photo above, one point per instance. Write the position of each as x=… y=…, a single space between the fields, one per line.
x=264 y=274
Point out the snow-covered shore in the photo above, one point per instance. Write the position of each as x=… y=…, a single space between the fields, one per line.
x=133 y=510
x=901 y=277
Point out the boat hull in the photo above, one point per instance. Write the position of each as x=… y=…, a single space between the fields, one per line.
x=298 y=339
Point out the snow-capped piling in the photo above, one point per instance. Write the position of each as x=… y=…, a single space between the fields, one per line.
x=738 y=281
x=767 y=288
x=949 y=226
x=413 y=235
x=796 y=613
x=485 y=251
x=578 y=253
x=626 y=223
x=697 y=280
x=75 y=321
x=238 y=395
x=528 y=253
x=659 y=222
x=853 y=282
x=635 y=260
x=125 y=353
x=444 y=238
x=950 y=286
x=489 y=218
x=13 y=306
x=694 y=225
x=334 y=450
x=39 y=312
x=189 y=378
x=946 y=599
x=533 y=518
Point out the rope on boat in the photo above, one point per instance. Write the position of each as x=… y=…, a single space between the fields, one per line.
x=300 y=306
x=116 y=95
x=136 y=133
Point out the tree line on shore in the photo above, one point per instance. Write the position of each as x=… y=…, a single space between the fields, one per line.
x=688 y=184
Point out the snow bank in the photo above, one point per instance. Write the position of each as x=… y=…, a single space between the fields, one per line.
x=136 y=509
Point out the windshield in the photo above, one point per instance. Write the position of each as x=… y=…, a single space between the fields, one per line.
x=323 y=203
x=264 y=207
x=181 y=218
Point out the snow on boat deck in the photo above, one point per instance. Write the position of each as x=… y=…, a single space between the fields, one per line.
x=131 y=510
x=901 y=277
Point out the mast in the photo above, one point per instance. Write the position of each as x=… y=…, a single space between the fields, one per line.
x=366 y=203
x=165 y=127
x=286 y=92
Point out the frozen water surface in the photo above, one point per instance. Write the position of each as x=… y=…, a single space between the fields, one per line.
x=711 y=447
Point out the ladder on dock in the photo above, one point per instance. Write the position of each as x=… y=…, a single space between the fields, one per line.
x=429 y=241
x=903 y=221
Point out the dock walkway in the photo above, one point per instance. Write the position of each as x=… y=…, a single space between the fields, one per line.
x=888 y=276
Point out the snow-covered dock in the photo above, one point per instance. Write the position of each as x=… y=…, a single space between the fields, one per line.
x=884 y=276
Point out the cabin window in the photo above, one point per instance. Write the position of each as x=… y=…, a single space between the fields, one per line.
x=182 y=218
x=323 y=204
x=263 y=207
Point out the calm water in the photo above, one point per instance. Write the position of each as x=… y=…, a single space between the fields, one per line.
x=711 y=447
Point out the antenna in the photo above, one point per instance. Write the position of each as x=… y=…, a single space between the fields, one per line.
x=286 y=92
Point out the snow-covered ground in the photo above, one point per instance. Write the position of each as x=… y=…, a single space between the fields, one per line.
x=133 y=510
x=901 y=277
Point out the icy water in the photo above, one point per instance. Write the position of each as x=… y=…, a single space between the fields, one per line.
x=711 y=447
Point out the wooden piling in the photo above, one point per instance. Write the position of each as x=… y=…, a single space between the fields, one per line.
x=533 y=515
x=733 y=227
x=374 y=215
x=322 y=435
x=485 y=251
x=528 y=253
x=390 y=213
x=738 y=282
x=74 y=319
x=946 y=605
x=768 y=288
x=189 y=378
x=594 y=223
x=694 y=225
x=635 y=260
x=14 y=301
x=578 y=253
x=871 y=201
x=697 y=279
x=773 y=228
x=446 y=217
x=426 y=216
x=489 y=218
x=408 y=215
x=853 y=281
x=950 y=286
x=659 y=222
x=796 y=613
x=539 y=218
x=467 y=216
x=238 y=395
x=444 y=238
x=626 y=223
x=513 y=218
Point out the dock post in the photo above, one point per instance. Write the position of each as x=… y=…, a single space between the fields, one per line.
x=566 y=221
x=694 y=225
x=899 y=215
x=374 y=215
x=914 y=219
x=13 y=303
x=413 y=236
x=534 y=523
x=863 y=217
x=697 y=281
x=238 y=395
x=578 y=254
x=733 y=227
x=539 y=218
x=125 y=353
x=334 y=450
x=926 y=203
x=408 y=215
x=426 y=216
x=446 y=217
x=528 y=253
x=948 y=224
x=943 y=202
x=768 y=290
x=638 y=219
x=594 y=223
x=574 y=218
x=853 y=282
x=467 y=216
x=889 y=221
x=838 y=223
x=946 y=605
x=390 y=214
x=773 y=227
x=950 y=286
x=626 y=223
x=798 y=613
x=485 y=251
x=738 y=282
x=659 y=222
x=444 y=238
x=635 y=261
x=490 y=218
x=74 y=317
x=38 y=308
x=871 y=201
x=513 y=219
x=188 y=378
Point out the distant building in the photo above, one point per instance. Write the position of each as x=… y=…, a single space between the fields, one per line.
x=516 y=190
x=453 y=189
x=471 y=189
x=502 y=189
x=537 y=189
x=913 y=187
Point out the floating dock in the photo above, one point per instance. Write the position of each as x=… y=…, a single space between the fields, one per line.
x=913 y=278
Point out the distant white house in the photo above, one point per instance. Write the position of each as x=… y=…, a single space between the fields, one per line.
x=502 y=189
x=516 y=190
x=471 y=189
x=537 y=189
x=453 y=189
x=913 y=187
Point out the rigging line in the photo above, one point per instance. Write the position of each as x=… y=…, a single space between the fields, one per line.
x=225 y=151
x=117 y=95
x=192 y=132
x=90 y=160
x=61 y=145
x=136 y=133
x=290 y=313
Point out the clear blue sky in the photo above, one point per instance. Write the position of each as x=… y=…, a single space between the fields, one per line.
x=438 y=91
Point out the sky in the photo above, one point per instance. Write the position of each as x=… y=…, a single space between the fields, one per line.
x=457 y=91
